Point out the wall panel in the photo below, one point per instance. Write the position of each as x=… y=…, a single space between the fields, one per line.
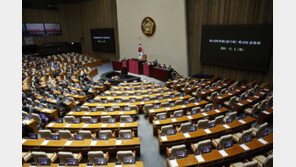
x=224 y=12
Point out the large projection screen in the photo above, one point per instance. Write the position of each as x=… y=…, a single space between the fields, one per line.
x=240 y=46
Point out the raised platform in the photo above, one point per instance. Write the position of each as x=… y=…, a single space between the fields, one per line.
x=121 y=78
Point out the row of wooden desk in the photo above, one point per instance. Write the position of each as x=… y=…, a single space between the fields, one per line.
x=252 y=100
x=138 y=164
x=192 y=118
x=226 y=96
x=132 y=113
x=208 y=92
x=135 y=91
x=170 y=110
x=112 y=145
x=93 y=127
x=201 y=134
x=220 y=157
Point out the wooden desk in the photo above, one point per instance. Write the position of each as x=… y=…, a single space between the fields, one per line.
x=135 y=86
x=252 y=100
x=192 y=118
x=120 y=97
x=181 y=85
x=216 y=159
x=138 y=164
x=169 y=110
x=142 y=103
x=132 y=113
x=93 y=127
x=52 y=114
x=169 y=83
x=201 y=134
x=82 y=146
x=265 y=116
x=226 y=96
x=32 y=124
x=208 y=92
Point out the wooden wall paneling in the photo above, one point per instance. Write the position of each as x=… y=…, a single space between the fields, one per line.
x=224 y=12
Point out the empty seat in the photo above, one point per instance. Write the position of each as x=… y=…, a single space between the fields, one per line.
x=147 y=107
x=86 y=119
x=139 y=99
x=165 y=128
x=122 y=132
x=184 y=126
x=84 y=108
x=85 y=133
x=253 y=110
x=230 y=102
x=106 y=132
x=96 y=154
x=65 y=134
x=178 y=102
x=37 y=118
x=174 y=149
x=196 y=92
x=104 y=119
x=110 y=100
x=196 y=147
x=213 y=95
x=239 y=137
x=121 y=154
x=100 y=108
x=64 y=155
x=44 y=133
x=231 y=117
x=207 y=108
x=203 y=124
x=26 y=156
x=165 y=104
x=69 y=118
x=160 y=114
x=219 y=143
x=116 y=108
x=257 y=132
x=264 y=161
x=124 y=117
x=24 y=114
x=36 y=155
x=253 y=163
x=219 y=120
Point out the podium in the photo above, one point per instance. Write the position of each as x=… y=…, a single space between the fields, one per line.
x=136 y=66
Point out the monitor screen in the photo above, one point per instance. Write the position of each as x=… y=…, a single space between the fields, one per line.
x=93 y=121
x=111 y=120
x=55 y=137
x=212 y=124
x=264 y=133
x=206 y=149
x=228 y=144
x=78 y=137
x=129 y=120
x=76 y=121
x=127 y=136
x=178 y=114
x=181 y=154
x=194 y=112
x=72 y=162
x=44 y=161
x=77 y=109
x=93 y=109
x=171 y=132
x=103 y=40
x=192 y=128
x=247 y=139
x=228 y=120
x=59 y=120
x=100 y=161
x=240 y=46
x=27 y=117
x=35 y=29
x=162 y=117
x=127 y=108
x=110 y=109
x=52 y=29
x=103 y=137
x=33 y=136
x=129 y=160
